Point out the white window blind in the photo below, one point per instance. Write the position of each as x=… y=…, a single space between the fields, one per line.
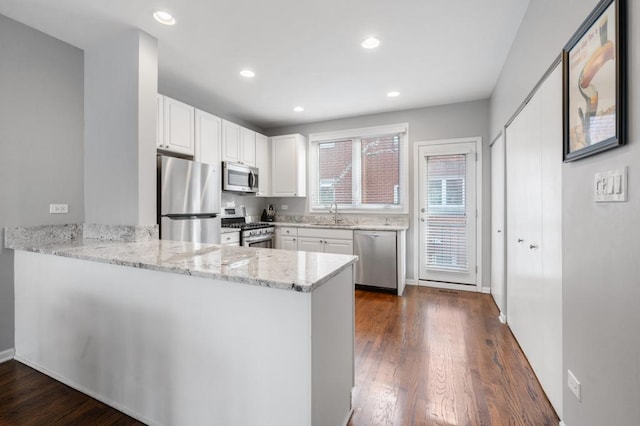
x=446 y=222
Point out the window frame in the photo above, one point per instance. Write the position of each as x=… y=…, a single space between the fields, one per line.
x=316 y=139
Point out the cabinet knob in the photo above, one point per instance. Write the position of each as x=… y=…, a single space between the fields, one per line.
x=520 y=240
x=533 y=246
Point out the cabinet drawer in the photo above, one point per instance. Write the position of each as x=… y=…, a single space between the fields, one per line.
x=324 y=233
x=288 y=231
x=231 y=238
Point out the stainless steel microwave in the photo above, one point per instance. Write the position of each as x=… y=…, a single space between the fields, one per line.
x=239 y=177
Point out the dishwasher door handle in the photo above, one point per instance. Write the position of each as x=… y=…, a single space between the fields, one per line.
x=373 y=235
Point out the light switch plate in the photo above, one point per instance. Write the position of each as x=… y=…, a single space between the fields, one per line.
x=610 y=186
x=58 y=208
x=574 y=385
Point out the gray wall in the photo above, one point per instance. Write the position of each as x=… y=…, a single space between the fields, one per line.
x=41 y=140
x=432 y=123
x=121 y=77
x=601 y=242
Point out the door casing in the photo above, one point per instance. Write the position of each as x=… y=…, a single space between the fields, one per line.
x=416 y=225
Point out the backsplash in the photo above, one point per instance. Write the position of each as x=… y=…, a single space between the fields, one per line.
x=347 y=219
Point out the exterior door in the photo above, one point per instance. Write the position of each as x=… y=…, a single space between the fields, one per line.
x=447 y=212
x=498 y=225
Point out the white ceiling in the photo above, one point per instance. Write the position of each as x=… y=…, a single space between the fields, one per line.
x=305 y=52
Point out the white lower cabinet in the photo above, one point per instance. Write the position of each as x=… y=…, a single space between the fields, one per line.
x=322 y=240
x=287 y=238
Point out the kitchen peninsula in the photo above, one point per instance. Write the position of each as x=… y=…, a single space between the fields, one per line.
x=183 y=333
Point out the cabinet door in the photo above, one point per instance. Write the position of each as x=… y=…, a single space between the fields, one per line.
x=263 y=163
x=160 y=121
x=284 y=163
x=289 y=243
x=248 y=148
x=310 y=244
x=208 y=134
x=178 y=126
x=230 y=142
x=338 y=246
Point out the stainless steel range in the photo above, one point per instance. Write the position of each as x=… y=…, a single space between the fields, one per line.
x=254 y=234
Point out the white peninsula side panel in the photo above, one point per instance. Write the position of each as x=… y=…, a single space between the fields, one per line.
x=172 y=349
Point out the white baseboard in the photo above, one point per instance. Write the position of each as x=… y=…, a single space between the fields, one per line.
x=503 y=318
x=449 y=286
x=411 y=282
x=7 y=355
x=486 y=290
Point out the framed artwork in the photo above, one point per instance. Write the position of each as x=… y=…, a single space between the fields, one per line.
x=594 y=72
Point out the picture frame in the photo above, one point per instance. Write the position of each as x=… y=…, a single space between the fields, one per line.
x=594 y=83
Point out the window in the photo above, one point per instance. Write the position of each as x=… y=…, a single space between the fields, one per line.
x=362 y=169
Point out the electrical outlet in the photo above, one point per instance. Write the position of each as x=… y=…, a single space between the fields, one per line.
x=574 y=385
x=58 y=208
x=284 y=207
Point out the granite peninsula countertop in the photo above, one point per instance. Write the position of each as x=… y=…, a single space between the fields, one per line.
x=355 y=227
x=281 y=269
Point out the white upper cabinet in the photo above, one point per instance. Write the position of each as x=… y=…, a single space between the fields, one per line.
x=208 y=135
x=288 y=165
x=263 y=163
x=230 y=142
x=178 y=126
x=160 y=121
x=248 y=150
x=238 y=144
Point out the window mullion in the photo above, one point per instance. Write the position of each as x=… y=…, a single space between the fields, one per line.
x=356 y=158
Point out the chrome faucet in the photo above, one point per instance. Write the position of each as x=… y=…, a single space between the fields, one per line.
x=333 y=208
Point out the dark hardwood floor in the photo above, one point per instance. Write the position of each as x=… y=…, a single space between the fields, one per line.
x=438 y=357
x=432 y=357
x=30 y=398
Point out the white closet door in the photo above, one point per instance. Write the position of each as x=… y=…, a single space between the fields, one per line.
x=498 y=222
x=534 y=287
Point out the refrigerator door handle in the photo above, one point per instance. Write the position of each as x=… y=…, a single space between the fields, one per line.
x=190 y=216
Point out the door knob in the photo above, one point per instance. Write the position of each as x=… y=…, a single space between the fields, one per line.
x=423 y=210
x=499 y=231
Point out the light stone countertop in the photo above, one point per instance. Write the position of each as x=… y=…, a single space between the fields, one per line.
x=355 y=227
x=281 y=269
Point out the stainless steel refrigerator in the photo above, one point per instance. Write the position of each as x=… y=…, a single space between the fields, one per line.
x=188 y=200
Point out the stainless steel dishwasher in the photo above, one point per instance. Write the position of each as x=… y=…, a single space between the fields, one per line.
x=377 y=266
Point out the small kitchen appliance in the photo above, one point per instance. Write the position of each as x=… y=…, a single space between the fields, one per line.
x=239 y=178
x=268 y=214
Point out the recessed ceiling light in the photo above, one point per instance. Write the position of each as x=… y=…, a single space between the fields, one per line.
x=371 y=43
x=164 y=17
x=298 y=109
x=247 y=73
x=393 y=94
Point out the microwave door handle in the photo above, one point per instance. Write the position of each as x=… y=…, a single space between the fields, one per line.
x=250 y=179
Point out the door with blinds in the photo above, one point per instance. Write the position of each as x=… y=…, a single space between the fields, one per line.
x=447 y=213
